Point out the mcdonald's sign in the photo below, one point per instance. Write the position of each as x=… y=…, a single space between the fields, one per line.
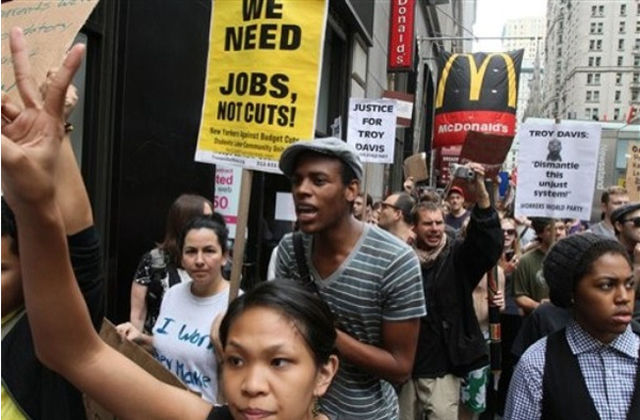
x=476 y=92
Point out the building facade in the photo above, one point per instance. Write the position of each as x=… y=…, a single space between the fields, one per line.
x=592 y=63
x=528 y=34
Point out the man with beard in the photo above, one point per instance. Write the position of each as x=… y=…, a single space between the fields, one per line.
x=450 y=341
x=369 y=278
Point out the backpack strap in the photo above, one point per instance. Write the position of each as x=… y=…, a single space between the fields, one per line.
x=8 y=326
x=301 y=261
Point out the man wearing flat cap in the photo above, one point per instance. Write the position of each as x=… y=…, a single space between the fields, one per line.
x=626 y=222
x=369 y=278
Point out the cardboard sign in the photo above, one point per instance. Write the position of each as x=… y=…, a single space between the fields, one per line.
x=262 y=80
x=226 y=198
x=416 y=166
x=49 y=28
x=557 y=169
x=136 y=354
x=633 y=171
x=372 y=129
x=488 y=149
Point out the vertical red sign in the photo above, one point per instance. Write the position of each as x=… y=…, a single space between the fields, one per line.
x=401 y=35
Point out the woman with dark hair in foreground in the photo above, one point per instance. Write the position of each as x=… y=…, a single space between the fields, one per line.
x=275 y=339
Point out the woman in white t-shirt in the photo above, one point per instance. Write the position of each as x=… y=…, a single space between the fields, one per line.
x=180 y=340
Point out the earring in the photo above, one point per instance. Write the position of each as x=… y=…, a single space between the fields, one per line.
x=315 y=410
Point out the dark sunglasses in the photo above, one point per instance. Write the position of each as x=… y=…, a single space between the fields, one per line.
x=635 y=220
x=509 y=232
x=389 y=205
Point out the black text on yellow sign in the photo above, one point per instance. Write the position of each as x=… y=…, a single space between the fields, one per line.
x=264 y=62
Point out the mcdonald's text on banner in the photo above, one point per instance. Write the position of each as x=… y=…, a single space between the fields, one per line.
x=476 y=97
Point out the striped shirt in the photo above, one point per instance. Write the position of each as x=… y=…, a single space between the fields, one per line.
x=379 y=281
x=608 y=371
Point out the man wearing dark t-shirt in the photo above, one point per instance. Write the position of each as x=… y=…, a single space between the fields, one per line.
x=457 y=213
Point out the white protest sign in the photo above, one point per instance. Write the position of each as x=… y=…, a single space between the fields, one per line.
x=227 y=195
x=372 y=129
x=557 y=169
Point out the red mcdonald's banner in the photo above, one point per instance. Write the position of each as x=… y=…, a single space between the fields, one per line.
x=401 y=37
x=476 y=92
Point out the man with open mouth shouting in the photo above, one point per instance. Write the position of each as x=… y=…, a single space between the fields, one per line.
x=370 y=279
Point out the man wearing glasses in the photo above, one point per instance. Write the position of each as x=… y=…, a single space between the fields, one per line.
x=626 y=221
x=395 y=216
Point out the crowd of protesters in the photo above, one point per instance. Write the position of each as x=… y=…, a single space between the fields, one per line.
x=376 y=310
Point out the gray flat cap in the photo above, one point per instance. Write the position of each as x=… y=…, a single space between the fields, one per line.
x=329 y=146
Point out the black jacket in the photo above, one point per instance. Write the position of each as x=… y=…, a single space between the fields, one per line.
x=450 y=339
x=38 y=391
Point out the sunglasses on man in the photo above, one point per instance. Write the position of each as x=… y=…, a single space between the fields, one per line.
x=635 y=220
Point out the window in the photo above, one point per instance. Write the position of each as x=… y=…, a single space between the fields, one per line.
x=587 y=113
x=619 y=61
x=621 y=27
x=596 y=79
x=616 y=96
x=621 y=44
x=618 y=78
x=589 y=96
x=638 y=26
x=592 y=45
x=599 y=30
x=623 y=10
x=589 y=78
x=634 y=94
x=636 y=77
x=616 y=114
x=598 y=59
x=594 y=114
x=594 y=10
x=599 y=45
x=601 y=10
x=636 y=45
x=592 y=28
x=636 y=61
x=596 y=95
x=590 y=61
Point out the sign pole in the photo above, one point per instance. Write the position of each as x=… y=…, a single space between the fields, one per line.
x=241 y=227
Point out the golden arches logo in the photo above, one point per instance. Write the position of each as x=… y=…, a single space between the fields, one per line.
x=477 y=76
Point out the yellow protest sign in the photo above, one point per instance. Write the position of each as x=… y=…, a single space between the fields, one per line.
x=633 y=171
x=262 y=80
x=49 y=27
